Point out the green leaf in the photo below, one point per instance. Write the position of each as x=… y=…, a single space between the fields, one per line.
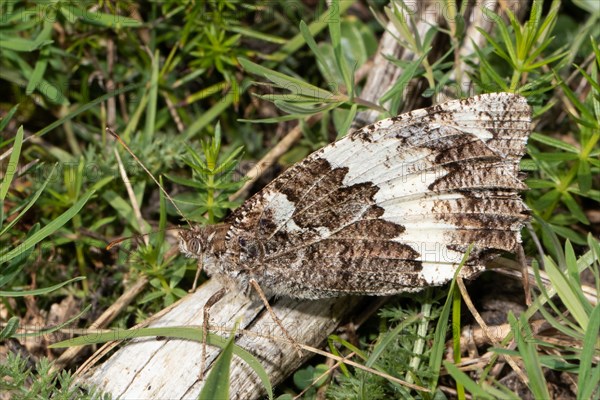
x=151 y=105
x=13 y=164
x=274 y=120
x=574 y=208
x=571 y=264
x=296 y=109
x=408 y=73
x=124 y=209
x=36 y=292
x=214 y=112
x=334 y=338
x=40 y=66
x=388 y=339
x=568 y=293
x=539 y=184
x=6 y=119
x=344 y=127
x=99 y=18
x=48 y=229
x=584 y=176
x=589 y=376
x=174 y=332
x=16 y=265
x=559 y=144
x=335 y=32
x=591 y=6
x=17 y=44
x=216 y=385
x=438 y=349
x=54 y=328
x=468 y=383
x=528 y=351
x=294 y=85
x=90 y=105
x=10 y=328
x=310 y=41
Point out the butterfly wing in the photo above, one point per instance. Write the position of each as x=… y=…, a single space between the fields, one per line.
x=391 y=207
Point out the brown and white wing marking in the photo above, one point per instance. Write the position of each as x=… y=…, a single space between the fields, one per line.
x=392 y=207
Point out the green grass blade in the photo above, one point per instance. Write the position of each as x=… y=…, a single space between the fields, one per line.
x=589 y=376
x=336 y=339
x=408 y=73
x=294 y=85
x=456 y=315
x=347 y=122
x=11 y=169
x=40 y=66
x=32 y=201
x=37 y=292
x=10 y=328
x=151 y=105
x=571 y=266
x=172 y=332
x=298 y=41
x=468 y=383
x=4 y=121
x=125 y=210
x=439 y=339
x=335 y=32
x=310 y=41
x=214 y=112
x=92 y=104
x=54 y=328
x=388 y=339
x=567 y=293
x=17 y=44
x=216 y=385
x=98 y=18
x=48 y=229
x=528 y=351
x=16 y=265
x=556 y=143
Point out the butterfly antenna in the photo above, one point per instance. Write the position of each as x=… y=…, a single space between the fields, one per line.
x=114 y=134
x=118 y=241
x=137 y=236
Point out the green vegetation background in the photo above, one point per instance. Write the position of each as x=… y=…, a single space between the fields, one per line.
x=185 y=85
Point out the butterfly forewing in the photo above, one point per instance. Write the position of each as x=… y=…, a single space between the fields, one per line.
x=391 y=207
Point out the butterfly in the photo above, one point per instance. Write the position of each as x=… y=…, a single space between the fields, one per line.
x=390 y=208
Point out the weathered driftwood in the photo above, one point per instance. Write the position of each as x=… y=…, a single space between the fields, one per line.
x=152 y=369
x=148 y=369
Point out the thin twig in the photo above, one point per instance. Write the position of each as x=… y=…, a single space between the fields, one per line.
x=486 y=330
x=134 y=203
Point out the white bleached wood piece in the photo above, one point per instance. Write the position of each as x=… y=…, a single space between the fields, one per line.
x=152 y=369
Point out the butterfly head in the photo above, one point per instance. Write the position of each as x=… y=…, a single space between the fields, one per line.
x=199 y=242
x=193 y=242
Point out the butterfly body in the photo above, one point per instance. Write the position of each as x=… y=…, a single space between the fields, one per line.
x=389 y=208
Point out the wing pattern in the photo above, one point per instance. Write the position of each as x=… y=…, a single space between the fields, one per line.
x=391 y=207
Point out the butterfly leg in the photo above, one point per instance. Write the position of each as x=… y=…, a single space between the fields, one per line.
x=205 y=315
x=264 y=299
x=198 y=272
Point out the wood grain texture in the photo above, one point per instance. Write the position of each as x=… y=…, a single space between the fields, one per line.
x=152 y=369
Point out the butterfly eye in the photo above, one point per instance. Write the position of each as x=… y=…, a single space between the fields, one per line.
x=194 y=246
